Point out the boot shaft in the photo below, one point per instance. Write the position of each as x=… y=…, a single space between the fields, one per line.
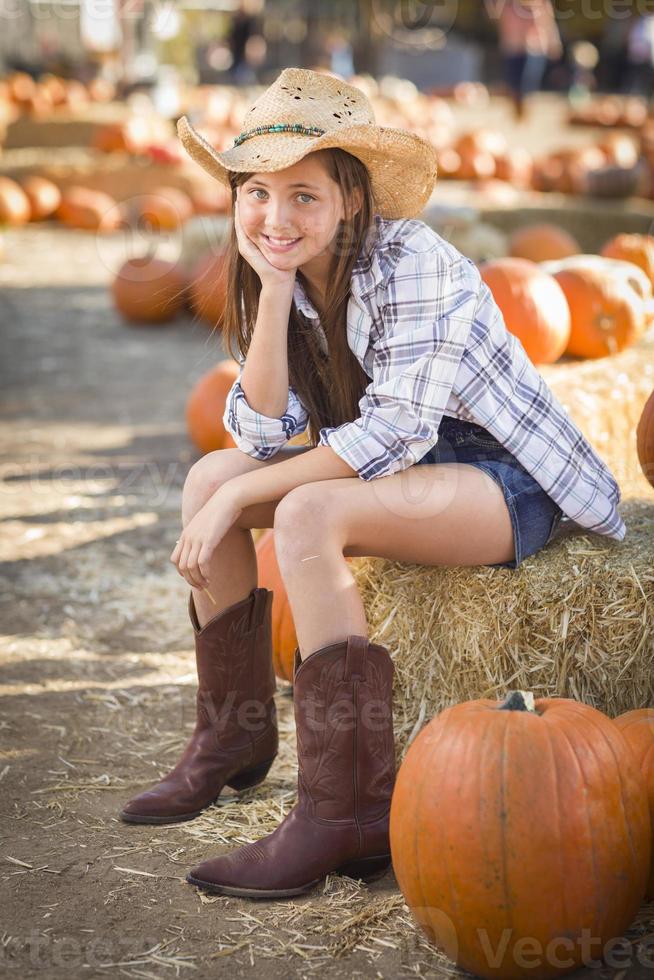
x=236 y=677
x=344 y=720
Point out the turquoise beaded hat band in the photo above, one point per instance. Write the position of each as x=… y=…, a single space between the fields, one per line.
x=304 y=111
x=296 y=128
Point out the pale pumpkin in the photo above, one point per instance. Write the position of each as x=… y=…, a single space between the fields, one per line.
x=518 y=827
x=532 y=304
x=638 y=249
x=638 y=728
x=205 y=407
x=613 y=268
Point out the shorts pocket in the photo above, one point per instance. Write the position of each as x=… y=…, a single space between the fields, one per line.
x=482 y=438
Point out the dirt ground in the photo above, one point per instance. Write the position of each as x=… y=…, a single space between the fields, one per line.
x=97 y=679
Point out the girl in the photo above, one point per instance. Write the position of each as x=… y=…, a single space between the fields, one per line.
x=433 y=440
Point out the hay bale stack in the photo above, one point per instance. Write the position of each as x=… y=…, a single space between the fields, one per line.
x=575 y=620
x=605 y=398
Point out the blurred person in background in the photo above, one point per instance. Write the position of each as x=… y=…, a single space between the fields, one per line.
x=245 y=37
x=529 y=37
x=612 y=65
x=640 y=56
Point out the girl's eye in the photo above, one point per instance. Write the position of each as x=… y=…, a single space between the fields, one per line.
x=259 y=190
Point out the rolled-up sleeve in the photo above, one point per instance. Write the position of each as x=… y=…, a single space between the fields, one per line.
x=260 y=435
x=426 y=312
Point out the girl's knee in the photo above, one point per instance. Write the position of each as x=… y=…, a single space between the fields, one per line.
x=211 y=472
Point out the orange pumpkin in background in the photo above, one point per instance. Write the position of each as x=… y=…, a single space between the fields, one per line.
x=89 y=210
x=211 y=200
x=532 y=304
x=43 y=195
x=541 y=242
x=645 y=439
x=606 y=314
x=638 y=728
x=516 y=166
x=208 y=287
x=284 y=639
x=164 y=208
x=638 y=249
x=205 y=407
x=14 y=203
x=148 y=290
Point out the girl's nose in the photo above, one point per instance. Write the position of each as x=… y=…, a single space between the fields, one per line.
x=276 y=217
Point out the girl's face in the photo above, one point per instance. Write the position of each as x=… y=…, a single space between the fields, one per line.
x=293 y=214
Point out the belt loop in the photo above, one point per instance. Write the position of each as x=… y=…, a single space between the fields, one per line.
x=355 y=658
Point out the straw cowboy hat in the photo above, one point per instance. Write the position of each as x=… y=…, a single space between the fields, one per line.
x=304 y=111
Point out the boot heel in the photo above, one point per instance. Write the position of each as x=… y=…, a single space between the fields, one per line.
x=250 y=777
x=366 y=868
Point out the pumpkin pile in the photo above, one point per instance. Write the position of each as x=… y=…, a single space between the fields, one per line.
x=616 y=166
x=521 y=832
x=49 y=94
x=586 y=306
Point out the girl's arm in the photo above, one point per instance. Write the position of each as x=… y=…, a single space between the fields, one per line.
x=264 y=378
x=273 y=482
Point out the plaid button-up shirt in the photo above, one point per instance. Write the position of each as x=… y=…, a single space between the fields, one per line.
x=428 y=333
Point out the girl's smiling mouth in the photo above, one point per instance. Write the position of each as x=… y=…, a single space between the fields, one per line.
x=280 y=244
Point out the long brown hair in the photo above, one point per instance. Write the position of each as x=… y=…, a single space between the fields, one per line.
x=328 y=386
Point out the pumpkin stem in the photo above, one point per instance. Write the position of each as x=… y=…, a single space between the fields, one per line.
x=519 y=701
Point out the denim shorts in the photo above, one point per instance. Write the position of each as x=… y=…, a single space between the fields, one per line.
x=534 y=515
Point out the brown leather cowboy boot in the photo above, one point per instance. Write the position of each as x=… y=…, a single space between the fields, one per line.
x=346 y=773
x=235 y=738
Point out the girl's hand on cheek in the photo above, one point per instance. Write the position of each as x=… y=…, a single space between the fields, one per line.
x=268 y=274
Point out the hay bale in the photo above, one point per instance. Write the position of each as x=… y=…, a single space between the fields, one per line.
x=605 y=398
x=575 y=620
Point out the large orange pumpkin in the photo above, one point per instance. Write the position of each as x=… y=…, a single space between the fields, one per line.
x=638 y=249
x=532 y=304
x=638 y=729
x=43 y=195
x=208 y=287
x=284 y=639
x=148 y=290
x=206 y=405
x=606 y=315
x=14 y=203
x=540 y=242
x=89 y=210
x=645 y=439
x=518 y=828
